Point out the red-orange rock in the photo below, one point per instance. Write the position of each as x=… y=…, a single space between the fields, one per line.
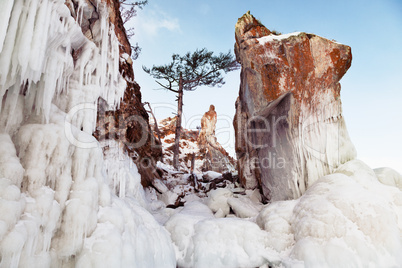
x=214 y=156
x=288 y=124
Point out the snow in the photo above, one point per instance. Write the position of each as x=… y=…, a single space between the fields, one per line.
x=203 y=241
x=243 y=207
x=211 y=175
x=389 y=176
x=348 y=213
x=65 y=201
x=272 y=37
x=218 y=201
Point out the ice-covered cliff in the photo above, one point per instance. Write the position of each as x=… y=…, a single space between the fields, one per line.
x=63 y=203
x=289 y=126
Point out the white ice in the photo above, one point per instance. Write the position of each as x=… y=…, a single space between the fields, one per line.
x=62 y=204
x=348 y=213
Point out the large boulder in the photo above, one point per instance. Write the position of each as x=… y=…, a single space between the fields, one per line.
x=289 y=126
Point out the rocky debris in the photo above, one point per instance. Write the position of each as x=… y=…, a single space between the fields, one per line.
x=215 y=157
x=289 y=126
x=128 y=123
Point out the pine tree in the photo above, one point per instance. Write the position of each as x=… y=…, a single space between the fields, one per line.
x=200 y=68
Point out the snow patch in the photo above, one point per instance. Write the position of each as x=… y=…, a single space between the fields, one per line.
x=272 y=37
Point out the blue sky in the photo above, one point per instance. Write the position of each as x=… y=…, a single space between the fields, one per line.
x=371 y=89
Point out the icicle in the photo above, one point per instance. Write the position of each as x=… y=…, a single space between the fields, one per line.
x=5 y=13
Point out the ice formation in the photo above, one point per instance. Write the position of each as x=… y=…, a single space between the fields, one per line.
x=349 y=213
x=61 y=203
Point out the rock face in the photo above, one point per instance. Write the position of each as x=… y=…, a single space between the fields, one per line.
x=188 y=144
x=129 y=122
x=214 y=156
x=208 y=154
x=288 y=124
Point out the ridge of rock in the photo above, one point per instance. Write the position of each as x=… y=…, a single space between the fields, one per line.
x=209 y=155
x=289 y=125
x=215 y=157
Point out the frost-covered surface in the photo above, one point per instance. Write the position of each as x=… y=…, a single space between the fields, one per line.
x=204 y=241
x=355 y=213
x=348 y=213
x=36 y=59
x=62 y=203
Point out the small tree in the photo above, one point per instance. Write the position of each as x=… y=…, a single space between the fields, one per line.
x=128 y=9
x=200 y=68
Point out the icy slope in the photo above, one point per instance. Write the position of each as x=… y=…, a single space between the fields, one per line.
x=59 y=205
x=346 y=219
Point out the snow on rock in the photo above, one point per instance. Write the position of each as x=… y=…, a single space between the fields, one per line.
x=64 y=203
x=188 y=146
x=127 y=236
x=211 y=175
x=10 y=166
x=243 y=207
x=208 y=154
x=164 y=194
x=36 y=59
x=389 y=176
x=289 y=126
x=182 y=229
x=203 y=241
x=218 y=201
x=231 y=243
x=348 y=213
x=273 y=37
x=276 y=220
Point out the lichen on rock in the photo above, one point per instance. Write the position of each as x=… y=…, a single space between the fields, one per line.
x=289 y=125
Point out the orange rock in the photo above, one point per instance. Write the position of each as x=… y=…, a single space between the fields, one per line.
x=214 y=156
x=288 y=124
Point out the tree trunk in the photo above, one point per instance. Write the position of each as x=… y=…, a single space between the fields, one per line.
x=176 y=149
x=156 y=128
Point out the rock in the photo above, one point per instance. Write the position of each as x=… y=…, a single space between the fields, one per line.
x=243 y=207
x=208 y=154
x=188 y=144
x=218 y=201
x=129 y=124
x=289 y=126
x=215 y=157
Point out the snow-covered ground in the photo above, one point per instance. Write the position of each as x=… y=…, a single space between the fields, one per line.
x=351 y=218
